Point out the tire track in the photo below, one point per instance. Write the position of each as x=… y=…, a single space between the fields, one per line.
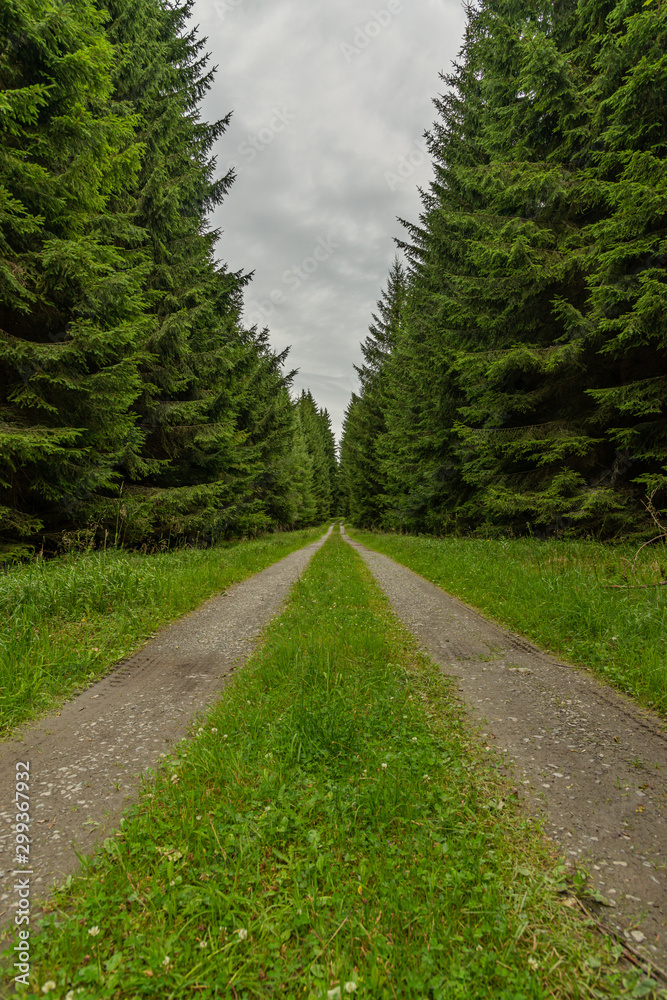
x=87 y=761
x=589 y=761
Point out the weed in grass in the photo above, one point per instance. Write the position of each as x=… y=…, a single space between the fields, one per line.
x=557 y=594
x=65 y=622
x=330 y=829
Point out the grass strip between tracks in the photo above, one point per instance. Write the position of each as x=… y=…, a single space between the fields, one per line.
x=558 y=594
x=330 y=830
x=65 y=622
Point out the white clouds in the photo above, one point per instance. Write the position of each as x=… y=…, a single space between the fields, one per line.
x=316 y=130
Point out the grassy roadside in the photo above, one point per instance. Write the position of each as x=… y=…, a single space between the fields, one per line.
x=329 y=831
x=65 y=622
x=556 y=593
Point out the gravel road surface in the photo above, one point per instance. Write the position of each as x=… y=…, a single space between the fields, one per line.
x=79 y=792
x=589 y=761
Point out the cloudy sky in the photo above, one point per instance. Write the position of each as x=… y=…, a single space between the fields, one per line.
x=330 y=100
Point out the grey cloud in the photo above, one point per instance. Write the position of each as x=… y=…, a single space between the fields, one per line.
x=350 y=122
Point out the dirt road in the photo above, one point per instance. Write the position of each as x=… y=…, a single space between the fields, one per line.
x=86 y=762
x=589 y=761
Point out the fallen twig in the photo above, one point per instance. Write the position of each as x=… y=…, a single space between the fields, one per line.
x=636 y=957
x=650 y=542
x=635 y=586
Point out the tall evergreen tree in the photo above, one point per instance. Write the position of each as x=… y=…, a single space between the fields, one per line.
x=526 y=387
x=71 y=278
x=320 y=445
x=194 y=447
x=299 y=470
x=627 y=44
x=130 y=390
x=363 y=474
x=535 y=445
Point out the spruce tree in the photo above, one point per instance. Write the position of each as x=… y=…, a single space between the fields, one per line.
x=299 y=470
x=130 y=390
x=628 y=253
x=214 y=406
x=320 y=445
x=363 y=474
x=187 y=408
x=578 y=267
x=527 y=444
x=527 y=386
x=72 y=328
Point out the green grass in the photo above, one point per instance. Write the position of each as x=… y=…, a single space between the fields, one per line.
x=329 y=831
x=557 y=593
x=65 y=622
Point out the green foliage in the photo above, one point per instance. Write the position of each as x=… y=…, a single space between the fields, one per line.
x=363 y=477
x=527 y=388
x=127 y=380
x=598 y=606
x=66 y=621
x=329 y=828
x=72 y=328
x=315 y=425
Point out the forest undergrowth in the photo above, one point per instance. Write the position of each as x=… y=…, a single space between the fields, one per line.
x=330 y=829
x=598 y=605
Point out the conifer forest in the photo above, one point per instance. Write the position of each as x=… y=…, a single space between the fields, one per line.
x=515 y=373
x=134 y=404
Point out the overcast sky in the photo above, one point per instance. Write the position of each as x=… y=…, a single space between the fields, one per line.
x=330 y=100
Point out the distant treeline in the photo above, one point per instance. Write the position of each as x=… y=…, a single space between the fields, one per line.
x=515 y=376
x=133 y=402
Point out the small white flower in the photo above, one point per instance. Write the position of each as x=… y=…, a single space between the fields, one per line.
x=174 y=779
x=242 y=933
x=214 y=730
x=200 y=730
x=166 y=960
x=94 y=931
x=532 y=964
x=197 y=817
x=350 y=987
x=414 y=739
x=267 y=809
x=426 y=777
x=224 y=736
x=203 y=944
x=334 y=994
x=384 y=767
x=48 y=987
x=70 y=995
